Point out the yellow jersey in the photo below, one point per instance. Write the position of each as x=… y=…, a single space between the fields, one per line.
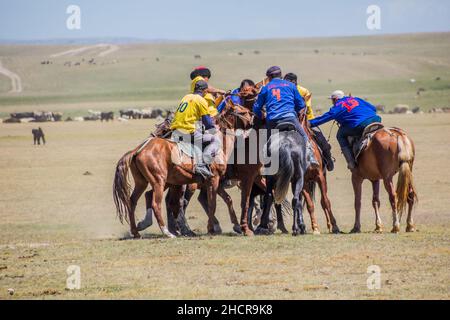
x=306 y=94
x=208 y=97
x=191 y=109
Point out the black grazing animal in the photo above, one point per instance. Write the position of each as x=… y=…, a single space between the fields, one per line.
x=107 y=116
x=38 y=134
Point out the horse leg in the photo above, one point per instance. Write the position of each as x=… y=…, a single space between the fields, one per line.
x=298 y=227
x=229 y=202
x=390 y=188
x=357 y=189
x=203 y=200
x=280 y=220
x=175 y=203
x=140 y=186
x=410 y=227
x=212 y=186
x=148 y=219
x=158 y=194
x=171 y=221
x=251 y=207
x=326 y=205
x=376 y=206
x=246 y=190
x=310 y=208
x=263 y=227
x=177 y=222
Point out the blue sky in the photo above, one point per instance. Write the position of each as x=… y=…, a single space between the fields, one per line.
x=217 y=20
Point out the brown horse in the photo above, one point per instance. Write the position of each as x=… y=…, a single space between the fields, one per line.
x=389 y=151
x=317 y=175
x=158 y=162
x=245 y=174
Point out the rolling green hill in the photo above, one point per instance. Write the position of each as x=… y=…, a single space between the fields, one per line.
x=378 y=68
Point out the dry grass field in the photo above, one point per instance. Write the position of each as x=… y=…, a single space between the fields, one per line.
x=53 y=216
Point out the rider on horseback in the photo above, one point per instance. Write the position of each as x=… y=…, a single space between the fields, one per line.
x=283 y=103
x=245 y=86
x=354 y=115
x=204 y=74
x=318 y=135
x=194 y=108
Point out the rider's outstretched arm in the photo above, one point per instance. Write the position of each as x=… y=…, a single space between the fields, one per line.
x=207 y=122
x=257 y=108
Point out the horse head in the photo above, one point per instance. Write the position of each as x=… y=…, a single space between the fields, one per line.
x=234 y=116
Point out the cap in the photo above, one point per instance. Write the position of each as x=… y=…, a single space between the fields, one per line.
x=273 y=71
x=338 y=94
x=201 y=86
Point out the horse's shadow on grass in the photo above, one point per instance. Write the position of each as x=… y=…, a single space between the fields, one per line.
x=198 y=236
x=201 y=236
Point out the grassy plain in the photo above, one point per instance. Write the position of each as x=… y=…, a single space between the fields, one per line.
x=53 y=216
x=378 y=68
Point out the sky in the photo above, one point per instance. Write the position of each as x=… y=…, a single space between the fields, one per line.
x=190 y=20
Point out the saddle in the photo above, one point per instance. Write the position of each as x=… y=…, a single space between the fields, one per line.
x=186 y=147
x=359 y=144
x=285 y=126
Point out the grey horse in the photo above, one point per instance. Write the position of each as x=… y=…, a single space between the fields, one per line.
x=290 y=149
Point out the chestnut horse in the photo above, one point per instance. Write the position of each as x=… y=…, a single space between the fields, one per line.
x=389 y=151
x=317 y=175
x=153 y=162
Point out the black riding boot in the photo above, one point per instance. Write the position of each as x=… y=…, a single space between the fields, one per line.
x=326 y=149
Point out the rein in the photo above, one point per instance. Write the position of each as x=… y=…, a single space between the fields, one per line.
x=331 y=130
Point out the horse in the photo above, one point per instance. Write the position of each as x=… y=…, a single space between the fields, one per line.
x=107 y=116
x=316 y=175
x=38 y=134
x=131 y=113
x=389 y=151
x=290 y=148
x=153 y=162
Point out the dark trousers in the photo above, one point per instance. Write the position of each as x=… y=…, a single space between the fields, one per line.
x=345 y=132
x=271 y=125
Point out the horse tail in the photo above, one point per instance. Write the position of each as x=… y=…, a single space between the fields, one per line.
x=121 y=187
x=284 y=175
x=405 y=183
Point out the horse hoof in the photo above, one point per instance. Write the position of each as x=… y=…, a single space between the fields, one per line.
x=262 y=231
x=336 y=230
x=411 y=229
x=283 y=230
x=316 y=232
x=136 y=235
x=249 y=233
x=395 y=230
x=378 y=230
x=217 y=229
x=295 y=233
x=189 y=234
x=237 y=229
x=355 y=230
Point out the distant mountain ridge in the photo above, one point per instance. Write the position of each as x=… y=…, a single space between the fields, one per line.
x=79 y=41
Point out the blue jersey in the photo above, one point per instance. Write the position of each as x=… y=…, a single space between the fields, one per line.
x=282 y=100
x=348 y=111
x=234 y=97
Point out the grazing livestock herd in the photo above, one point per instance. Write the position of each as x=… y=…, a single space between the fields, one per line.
x=48 y=116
